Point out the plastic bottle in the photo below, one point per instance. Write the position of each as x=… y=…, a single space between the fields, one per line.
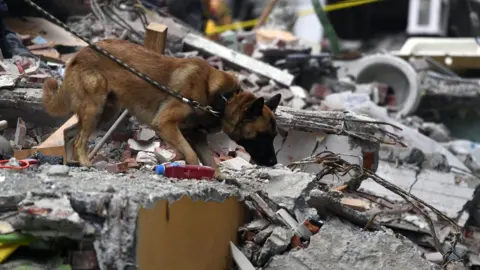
x=176 y=170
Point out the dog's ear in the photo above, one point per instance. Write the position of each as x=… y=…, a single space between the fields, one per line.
x=273 y=102
x=255 y=108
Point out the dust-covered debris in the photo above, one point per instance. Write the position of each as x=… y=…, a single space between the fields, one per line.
x=293 y=215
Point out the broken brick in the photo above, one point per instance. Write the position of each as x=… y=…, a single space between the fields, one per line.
x=313 y=228
x=33 y=210
x=100 y=165
x=121 y=167
x=99 y=157
x=127 y=154
x=164 y=155
x=320 y=91
x=132 y=163
x=120 y=136
x=83 y=259
x=296 y=242
x=248 y=235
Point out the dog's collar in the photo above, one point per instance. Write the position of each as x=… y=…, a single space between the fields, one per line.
x=221 y=100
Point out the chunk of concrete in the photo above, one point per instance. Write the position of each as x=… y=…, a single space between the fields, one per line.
x=258 y=225
x=60 y=170
x=6 y=150
x=339 y=245
x=277 y=243
x=236 y=164
x=54 y=215
x=262 y=236
x=289 y=189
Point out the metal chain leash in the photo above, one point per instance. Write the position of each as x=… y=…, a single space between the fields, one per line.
x=194 y=104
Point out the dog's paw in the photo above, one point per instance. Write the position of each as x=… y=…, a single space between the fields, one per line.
x=219 y=175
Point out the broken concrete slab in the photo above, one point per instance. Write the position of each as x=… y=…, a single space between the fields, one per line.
x=6 y=150
x=339 y=245
x=290 y=189
x=27 y=104
x=437 y=188
x=113 y=202
x=276 y=243
x=50 y=216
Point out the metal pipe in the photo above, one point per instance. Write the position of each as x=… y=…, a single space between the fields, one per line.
x=107 y=135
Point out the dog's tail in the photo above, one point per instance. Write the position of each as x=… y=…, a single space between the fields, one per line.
x=55 y=99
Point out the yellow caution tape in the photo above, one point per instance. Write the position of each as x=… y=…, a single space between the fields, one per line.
x=211 y=28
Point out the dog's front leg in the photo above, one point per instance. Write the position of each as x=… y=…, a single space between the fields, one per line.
x=166 y=124
x=200 y=144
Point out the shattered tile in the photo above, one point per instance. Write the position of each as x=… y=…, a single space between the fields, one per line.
x=236 y=164
x=58 y=170
x=137 y=146
x=146 y=158
x=121 y=167
x=144 y=135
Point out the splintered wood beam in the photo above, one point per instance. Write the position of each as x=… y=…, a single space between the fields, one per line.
x=156 y=37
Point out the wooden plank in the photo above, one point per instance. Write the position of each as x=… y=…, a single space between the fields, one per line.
x=56 y=139
x=48 y=151
x=156 y=37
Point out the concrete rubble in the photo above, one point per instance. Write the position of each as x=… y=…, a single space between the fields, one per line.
x=333 y=130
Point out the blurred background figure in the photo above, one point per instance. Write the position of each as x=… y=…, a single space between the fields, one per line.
x=194 y=12
x=10 y=44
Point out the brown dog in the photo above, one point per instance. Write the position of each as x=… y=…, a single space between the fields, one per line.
x=96 y=88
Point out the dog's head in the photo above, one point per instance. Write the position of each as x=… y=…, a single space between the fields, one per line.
x=256 y=129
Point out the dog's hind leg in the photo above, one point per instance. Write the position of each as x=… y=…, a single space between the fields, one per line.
x=91 y=99
x=166 y=124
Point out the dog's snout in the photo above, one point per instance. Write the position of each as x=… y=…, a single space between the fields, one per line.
x=272 y=161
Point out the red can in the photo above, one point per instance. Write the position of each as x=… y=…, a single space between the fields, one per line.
x=175 y=170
